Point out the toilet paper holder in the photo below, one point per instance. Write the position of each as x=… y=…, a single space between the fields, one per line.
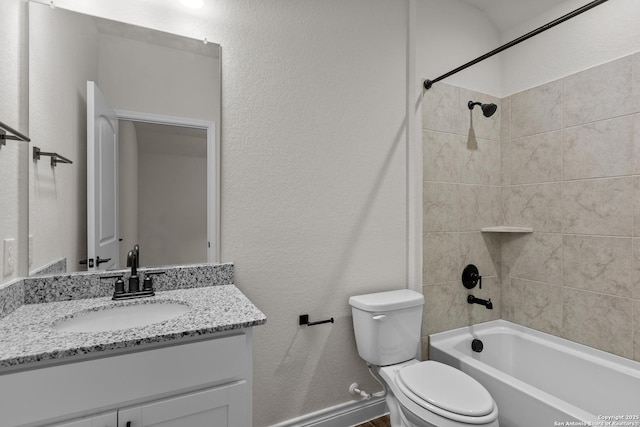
x=304 y=320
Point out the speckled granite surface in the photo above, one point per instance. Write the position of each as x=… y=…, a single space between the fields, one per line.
x=29 y=307
x=27 y=336
x=11 y=296
x=64 y=287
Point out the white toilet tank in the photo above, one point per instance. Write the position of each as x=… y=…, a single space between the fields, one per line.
x=387 y=325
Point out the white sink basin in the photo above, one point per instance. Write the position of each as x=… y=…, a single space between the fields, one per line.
x=121 y=317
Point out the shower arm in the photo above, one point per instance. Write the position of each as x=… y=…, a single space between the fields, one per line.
x=428 y=83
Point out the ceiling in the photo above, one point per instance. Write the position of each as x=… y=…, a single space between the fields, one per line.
x=505 y=14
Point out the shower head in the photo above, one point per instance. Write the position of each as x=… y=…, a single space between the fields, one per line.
x=487 y=109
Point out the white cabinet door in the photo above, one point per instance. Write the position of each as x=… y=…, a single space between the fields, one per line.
x=109 y=419
x=223 y=406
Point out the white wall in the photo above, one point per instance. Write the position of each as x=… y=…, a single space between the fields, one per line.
x=172 y=196
x=128 y=187
x=607 y=32
x=133 y=75
x=313 y=174
x=451 y=33
x=13 y=112
x=57 y=97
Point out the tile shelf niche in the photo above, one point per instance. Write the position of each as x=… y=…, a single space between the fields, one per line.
x=506 y=229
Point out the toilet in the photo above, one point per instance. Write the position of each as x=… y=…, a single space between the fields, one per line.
x=420 y=394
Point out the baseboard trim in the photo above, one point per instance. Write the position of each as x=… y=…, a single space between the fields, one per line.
x=346 y=414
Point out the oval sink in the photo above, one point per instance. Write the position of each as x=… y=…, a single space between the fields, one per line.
x=121 y=317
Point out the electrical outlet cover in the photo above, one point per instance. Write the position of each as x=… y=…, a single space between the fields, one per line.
x=8 y=256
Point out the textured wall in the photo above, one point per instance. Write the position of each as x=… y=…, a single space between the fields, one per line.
x=606 y=32
x=313 y=174
x=13 y=112
x=571 y=164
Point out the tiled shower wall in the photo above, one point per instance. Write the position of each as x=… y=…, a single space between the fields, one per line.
x=570 y=169
x=461 y=194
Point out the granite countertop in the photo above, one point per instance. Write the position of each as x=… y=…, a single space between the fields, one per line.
x=27 y=336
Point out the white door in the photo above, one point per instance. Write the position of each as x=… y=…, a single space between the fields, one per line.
x=102 y=182
x=217 y=407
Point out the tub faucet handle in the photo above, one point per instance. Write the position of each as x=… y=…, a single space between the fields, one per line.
x=471 y=277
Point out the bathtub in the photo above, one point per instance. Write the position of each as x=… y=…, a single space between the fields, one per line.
x=540 y=380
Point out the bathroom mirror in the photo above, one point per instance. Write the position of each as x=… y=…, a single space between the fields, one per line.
x=165 y=92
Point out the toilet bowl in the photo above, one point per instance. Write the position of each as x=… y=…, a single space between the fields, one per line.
x=429 y=393
x=420 y=394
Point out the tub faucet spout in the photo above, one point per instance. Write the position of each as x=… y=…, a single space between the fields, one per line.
x=486 y=302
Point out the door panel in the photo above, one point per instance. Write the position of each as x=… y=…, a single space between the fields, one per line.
x=217 y=407
x=102 y=182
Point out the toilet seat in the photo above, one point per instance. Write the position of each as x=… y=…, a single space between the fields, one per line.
x=446 y=388
x=422 y=408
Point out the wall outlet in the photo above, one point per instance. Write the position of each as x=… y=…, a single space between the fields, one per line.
x=30 y=249
x=8 y=256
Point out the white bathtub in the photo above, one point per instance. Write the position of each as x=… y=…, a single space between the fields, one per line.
x=539 y=380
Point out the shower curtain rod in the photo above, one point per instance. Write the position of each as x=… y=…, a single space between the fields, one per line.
x=429 y=83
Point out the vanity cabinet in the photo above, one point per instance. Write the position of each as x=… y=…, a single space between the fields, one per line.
x=196 y=383
x=217 y=407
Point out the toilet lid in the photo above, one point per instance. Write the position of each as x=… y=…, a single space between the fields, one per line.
x=447 y=388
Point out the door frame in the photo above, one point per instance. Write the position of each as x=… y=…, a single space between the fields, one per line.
x=213 y=168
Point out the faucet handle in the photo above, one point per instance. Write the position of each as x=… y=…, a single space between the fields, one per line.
x=147 y=283
x=119 y=286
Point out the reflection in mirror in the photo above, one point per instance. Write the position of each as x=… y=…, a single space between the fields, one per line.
x=143 y=74
x=163 y=169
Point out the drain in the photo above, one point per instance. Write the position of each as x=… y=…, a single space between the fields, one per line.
x=476 y=345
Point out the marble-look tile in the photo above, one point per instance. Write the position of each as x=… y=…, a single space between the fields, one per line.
x=441 y=257
x=480 y=164
x=505 y=119
x=538 y=206
x=536 y=257
x=424 y=347
x=490 y=290
x=484 y=127
x=636 y=140
x=600 y=264
x=599 y=93
x=635 y=83
x=599 y=206
x=482 y=250
x=445 y=307
x=536 y=305
x=442 y=110
x=537 y=110
x=535 y=159
x=479 y=206
x=635 y=290
x=636 y=330
x=440 y=207
x=598 y=320
x=636 y=206
x=600 y=149
x=441 y=156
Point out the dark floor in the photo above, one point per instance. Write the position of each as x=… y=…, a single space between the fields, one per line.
x=378 y=422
